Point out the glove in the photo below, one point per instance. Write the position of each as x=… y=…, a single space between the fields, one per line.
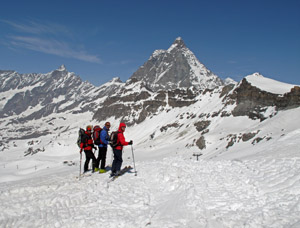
x=130 y=142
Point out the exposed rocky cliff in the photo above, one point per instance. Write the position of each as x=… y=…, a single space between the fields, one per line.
x=135 y=102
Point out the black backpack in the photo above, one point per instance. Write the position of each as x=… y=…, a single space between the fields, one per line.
x=113 y=139
x=81 y=132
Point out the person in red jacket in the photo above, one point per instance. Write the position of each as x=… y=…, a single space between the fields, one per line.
x=87 y=145
x=117 y=162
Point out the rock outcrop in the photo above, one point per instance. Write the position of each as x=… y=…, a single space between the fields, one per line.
x=252 y=101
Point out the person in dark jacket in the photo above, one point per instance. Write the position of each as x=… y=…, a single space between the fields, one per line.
x=117 y=162
x=87 y=145
x=104 y=137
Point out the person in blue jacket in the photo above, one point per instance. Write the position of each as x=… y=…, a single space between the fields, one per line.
x=104 y=138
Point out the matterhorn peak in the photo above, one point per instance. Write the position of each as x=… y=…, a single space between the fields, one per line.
x=176 y=67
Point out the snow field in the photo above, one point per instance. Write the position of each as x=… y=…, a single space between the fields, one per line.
x=172 y=192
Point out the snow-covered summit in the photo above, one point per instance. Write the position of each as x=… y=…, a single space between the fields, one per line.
x=268 y=85
x=228 y=81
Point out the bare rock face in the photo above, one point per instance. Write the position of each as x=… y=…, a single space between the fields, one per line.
x=201 y=143
x=136 y=107
x=202 y=125
x=247 y=136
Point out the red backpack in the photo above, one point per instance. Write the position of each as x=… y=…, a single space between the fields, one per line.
x=96 y=135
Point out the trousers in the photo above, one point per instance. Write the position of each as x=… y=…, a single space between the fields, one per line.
x=117 y=162
x=101 y=157
x=88 y=156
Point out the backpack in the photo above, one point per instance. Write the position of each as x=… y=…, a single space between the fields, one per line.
x=113 y=139
x=96 y=135
x=81 y=132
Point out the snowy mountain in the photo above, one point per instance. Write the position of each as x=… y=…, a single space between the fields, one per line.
x=37 y=95
x=27 y=99
x=247 y=134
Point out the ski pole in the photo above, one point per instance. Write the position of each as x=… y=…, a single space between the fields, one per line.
x=94 y=149
x=80 y=165
x=133 y=160
x=111 y=157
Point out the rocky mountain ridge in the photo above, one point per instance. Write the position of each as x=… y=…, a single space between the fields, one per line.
x=33 y=96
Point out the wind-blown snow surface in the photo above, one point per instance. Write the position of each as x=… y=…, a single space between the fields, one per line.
x=173 y=192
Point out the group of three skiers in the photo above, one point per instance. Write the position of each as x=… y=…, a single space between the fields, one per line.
x=87 y=145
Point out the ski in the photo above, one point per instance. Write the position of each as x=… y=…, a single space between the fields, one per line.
x=86 y=174
x=121 y=173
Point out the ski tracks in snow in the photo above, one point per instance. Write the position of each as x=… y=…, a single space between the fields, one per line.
x=172 y=192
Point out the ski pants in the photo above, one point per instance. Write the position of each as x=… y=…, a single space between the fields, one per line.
x=88 y=156
x=101 y=157
x=117 y=163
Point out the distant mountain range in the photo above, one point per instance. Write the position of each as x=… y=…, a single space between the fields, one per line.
x=186 y=99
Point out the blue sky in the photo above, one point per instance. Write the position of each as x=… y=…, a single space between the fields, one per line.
x=99 y=40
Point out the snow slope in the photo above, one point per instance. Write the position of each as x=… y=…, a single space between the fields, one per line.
x=172 y=192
